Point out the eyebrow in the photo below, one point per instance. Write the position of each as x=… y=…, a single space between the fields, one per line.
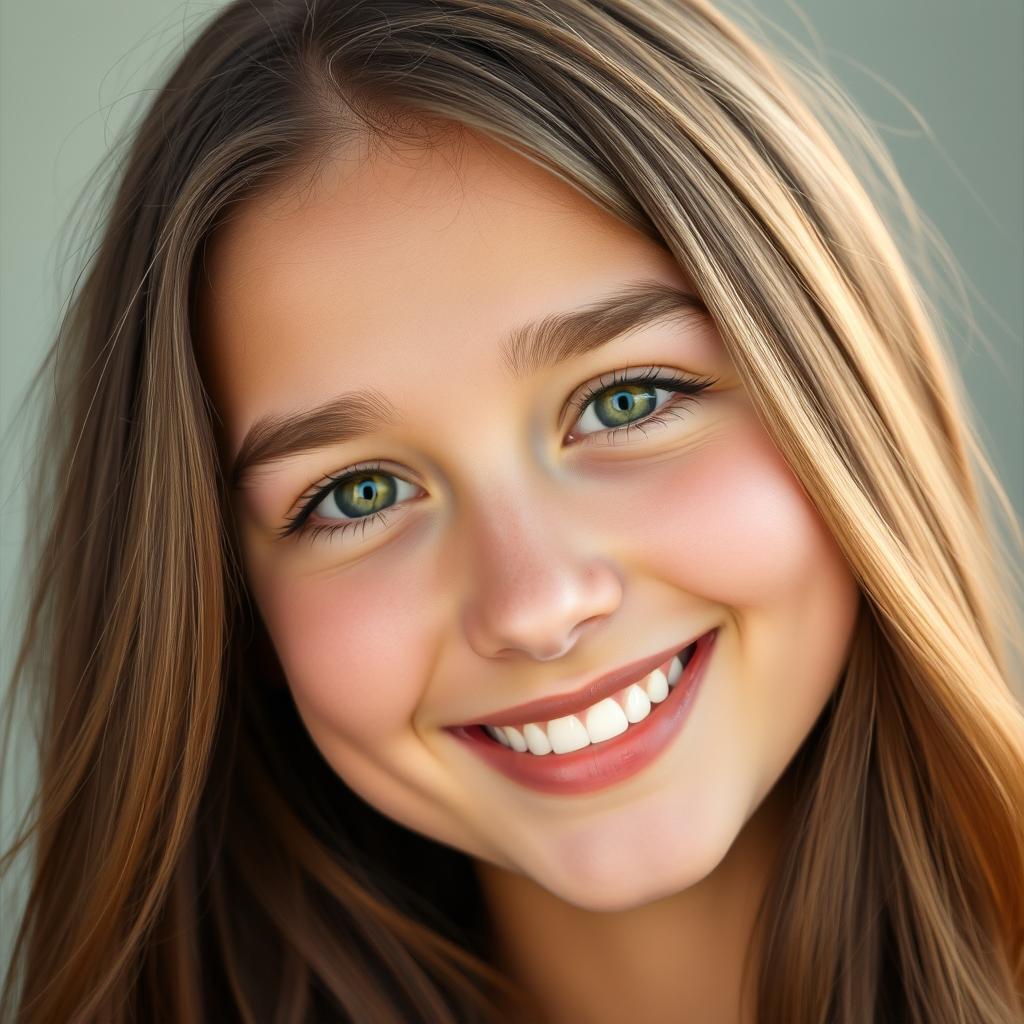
x=525 y=351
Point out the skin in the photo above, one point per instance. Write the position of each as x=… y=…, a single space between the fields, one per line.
x=522 y=561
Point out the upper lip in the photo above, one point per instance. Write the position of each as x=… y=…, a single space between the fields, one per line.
x=602 y=686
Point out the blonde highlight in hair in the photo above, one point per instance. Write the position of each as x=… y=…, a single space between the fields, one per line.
x=194 y=858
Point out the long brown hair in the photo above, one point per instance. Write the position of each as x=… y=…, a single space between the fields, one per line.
x=194 y=858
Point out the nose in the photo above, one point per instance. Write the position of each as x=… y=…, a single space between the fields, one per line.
x=533 y=590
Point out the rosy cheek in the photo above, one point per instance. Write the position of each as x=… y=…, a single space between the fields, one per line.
x=350 y=647
x=732 y=524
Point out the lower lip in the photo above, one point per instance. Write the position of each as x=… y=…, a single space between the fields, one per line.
x=600 y=764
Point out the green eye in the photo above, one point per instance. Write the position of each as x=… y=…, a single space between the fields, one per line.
x=356 y=495
x=616 y=405
x=360 y=495
x=353 y=498
x=622 y=405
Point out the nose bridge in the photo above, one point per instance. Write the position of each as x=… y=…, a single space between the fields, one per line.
x=532 y=583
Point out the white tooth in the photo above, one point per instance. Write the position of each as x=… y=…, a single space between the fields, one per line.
x=638 y=704
x=567 y=734
x=515 y=737
x=675 y=670
x=536 y=739
x=656 y=686
x=605 y=720
x=499 y=734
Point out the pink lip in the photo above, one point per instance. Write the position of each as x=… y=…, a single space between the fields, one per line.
x=600 y=764
x=569 y=703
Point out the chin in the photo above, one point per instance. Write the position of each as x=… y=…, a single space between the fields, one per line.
x=617 y=876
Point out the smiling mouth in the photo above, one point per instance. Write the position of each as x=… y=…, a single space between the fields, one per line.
x=603 y=720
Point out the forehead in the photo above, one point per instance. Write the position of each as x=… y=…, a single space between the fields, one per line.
x=391 y=264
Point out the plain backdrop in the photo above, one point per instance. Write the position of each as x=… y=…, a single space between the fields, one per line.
x=942 y=81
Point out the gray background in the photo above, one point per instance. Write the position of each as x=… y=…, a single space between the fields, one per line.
x=942 y=81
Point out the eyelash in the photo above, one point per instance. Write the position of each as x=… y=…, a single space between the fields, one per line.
x=674 y=381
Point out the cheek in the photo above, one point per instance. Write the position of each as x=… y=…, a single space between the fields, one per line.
x=732 y=524
x=353 y=648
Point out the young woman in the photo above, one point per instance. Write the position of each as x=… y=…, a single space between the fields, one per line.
x=512 y=550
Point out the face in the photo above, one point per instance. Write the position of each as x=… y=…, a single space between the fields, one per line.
x=530 y=537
